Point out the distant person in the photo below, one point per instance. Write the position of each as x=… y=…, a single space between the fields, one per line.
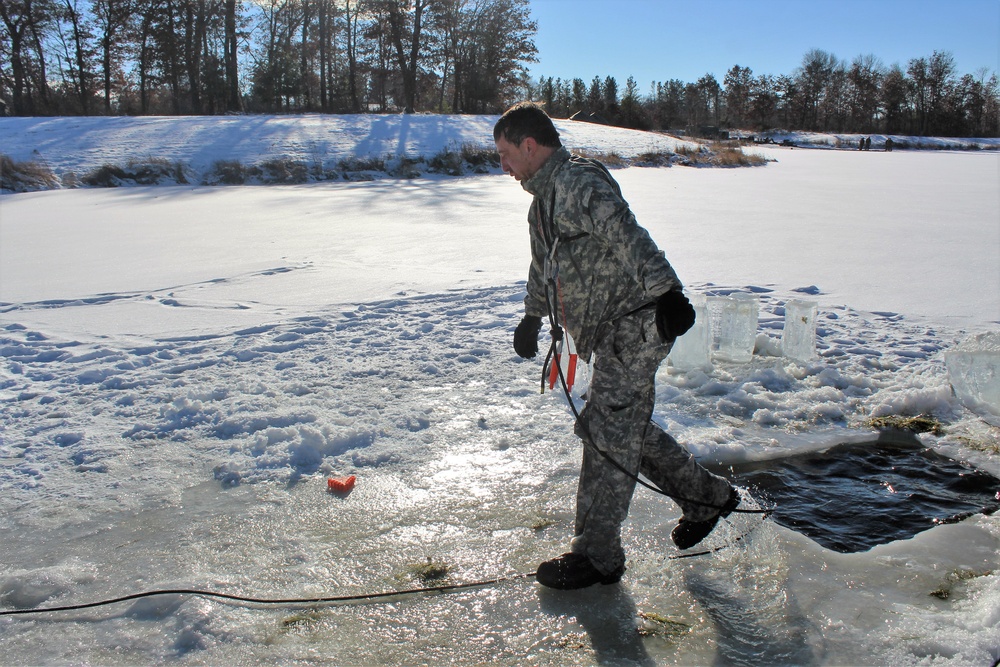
x=888 y=144
x=861 y=144
x=868 y=143
x=598 y=275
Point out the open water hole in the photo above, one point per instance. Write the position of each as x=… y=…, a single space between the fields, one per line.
x=852 y=497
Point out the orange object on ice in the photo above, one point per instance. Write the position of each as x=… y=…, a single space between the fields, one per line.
x=340 y=484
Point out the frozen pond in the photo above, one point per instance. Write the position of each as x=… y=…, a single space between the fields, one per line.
x=181 y=369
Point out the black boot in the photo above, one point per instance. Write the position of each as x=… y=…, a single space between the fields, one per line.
x=572 y=570
x=686 y=533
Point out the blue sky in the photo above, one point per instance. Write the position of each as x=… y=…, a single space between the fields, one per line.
x=658 y=40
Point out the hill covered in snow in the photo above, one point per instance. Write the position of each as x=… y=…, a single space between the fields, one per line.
x=110 y=151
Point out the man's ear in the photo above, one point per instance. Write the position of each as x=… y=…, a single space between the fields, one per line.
x=529 y=145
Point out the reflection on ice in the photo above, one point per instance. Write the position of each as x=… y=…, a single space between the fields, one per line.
x=775 y=597
x=607 y=614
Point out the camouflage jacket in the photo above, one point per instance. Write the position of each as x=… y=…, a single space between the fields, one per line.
x=590 y=259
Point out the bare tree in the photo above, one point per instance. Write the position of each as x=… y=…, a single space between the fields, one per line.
x=23 y=22
x=234 y=98
x=865 y=80
x=813 y=80
x=79 y=54
x=113 y=18
x=405 y=18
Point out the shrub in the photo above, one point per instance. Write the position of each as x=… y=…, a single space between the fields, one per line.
x=609 y=160
x=25 y=176
x=149 y=171
x=481 y=158
x=405 y=167
x=735 y=157
x=155 y=170
x=446 y=162
x=360 y=169
x=230 y=172
x=721 y=156
x=105 y=176
x=655 y=159
x=472 y=157
x=692 y=156
x=283 y=170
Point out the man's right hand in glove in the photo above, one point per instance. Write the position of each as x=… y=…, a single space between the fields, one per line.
x=674 y=315
x=526 y=336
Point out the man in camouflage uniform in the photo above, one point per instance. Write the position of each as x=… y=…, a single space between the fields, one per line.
x=597 y=274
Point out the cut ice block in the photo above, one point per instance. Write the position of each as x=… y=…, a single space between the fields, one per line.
x=798 y=339
x=693 y=350
x=735 y=326
x=974 y=373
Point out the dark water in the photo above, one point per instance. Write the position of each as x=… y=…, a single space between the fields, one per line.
x=851 y=498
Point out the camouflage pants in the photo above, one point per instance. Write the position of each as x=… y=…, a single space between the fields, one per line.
x=617 y=419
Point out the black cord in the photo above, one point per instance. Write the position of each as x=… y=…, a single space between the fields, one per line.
x=339 y=599
x=589 y=439
x=448 y=588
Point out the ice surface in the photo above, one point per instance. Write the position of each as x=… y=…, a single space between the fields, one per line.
x=798 y=338
x=974 y=373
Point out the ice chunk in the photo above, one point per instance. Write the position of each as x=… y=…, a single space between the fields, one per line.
x=974 y=373
x=798 y=339
x=693 y=350
x=734 y=322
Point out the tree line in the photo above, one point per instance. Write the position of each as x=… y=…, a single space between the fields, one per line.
x=824 y=94
x=63 y=57
x=67 y=57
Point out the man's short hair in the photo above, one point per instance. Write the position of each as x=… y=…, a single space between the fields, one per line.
x=527 y=119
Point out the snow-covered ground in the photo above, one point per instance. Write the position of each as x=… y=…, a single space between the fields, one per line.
x=182 y=367
x=83 y=143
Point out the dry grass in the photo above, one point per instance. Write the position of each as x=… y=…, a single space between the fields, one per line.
x=652 y=624
x=447 y=162
x=610 y=160
x=25 y=176
x=918 y=424
x=230 y=172
x=405 y=167
x=955 y=578
x=719 y=154
x=469 y=157
x=360 y=169
x=284 y=170
x=480 y=158
x=429 y=572
x=655 y=159
x=146 y=171
x=735 y=157
x=452 y=161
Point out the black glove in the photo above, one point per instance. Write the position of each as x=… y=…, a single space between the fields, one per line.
x=526 y=336
x=674 y=315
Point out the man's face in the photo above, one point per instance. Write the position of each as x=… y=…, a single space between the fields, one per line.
x=516 y=160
